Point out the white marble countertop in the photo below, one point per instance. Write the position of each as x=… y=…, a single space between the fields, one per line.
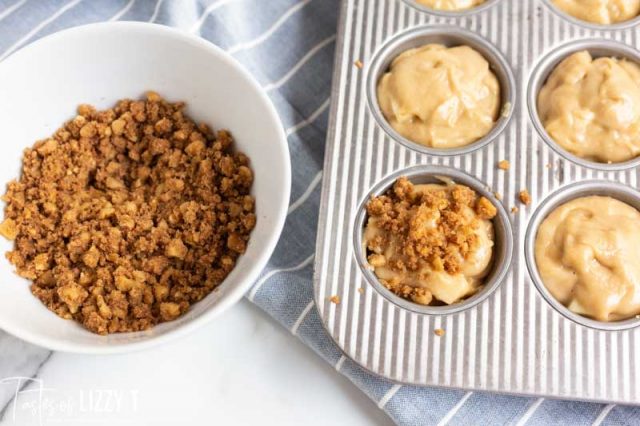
x=242 y=368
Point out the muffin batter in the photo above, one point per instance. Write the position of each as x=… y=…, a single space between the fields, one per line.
x=592 y=107
x=432 y=244
x=450 y=4
x=587 y=255
x=600 y=11
x=440 y=97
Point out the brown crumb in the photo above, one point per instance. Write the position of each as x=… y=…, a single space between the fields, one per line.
x=504 y=164
x=335 y=299
x=525 y=197
x=8 y=229
x=497 y=195
x=548 y=165
x=418 y=295
x=358 y=64
x=361 y=290
x=485 y=208
x=439 y=332
x=514 y=209
x=124 y=218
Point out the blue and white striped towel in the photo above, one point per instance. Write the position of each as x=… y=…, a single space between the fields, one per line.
x=288 y=46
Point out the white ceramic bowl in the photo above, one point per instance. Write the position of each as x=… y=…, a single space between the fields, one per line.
x=40 y=87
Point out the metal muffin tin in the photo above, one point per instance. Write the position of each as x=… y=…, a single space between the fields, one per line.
x=449 y=36
x=570 y=192
x=597 y=48
x=513 y=341
x=503 y=238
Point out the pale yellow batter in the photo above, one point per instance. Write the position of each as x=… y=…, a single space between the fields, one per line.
x=450 y=4
x=600 y=11
x=421 y=261
x=440 y=97
x=588 y=255
x=592 y=107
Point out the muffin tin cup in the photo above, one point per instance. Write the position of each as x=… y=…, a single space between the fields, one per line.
x=618 y=191
x=449 y=36
x=598 y=48
x=452 y=13
x=591 y=25
x=503 y=238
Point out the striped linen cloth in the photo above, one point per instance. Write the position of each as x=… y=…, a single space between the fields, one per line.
x=288 y=46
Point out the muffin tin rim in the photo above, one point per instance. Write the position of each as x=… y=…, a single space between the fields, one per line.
x=382 y=54
x=622 y=25
x=554 y=200
x=539 y=75
x=452 y=13
x=494 y=279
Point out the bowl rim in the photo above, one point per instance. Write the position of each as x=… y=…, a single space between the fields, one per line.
x=233 y=294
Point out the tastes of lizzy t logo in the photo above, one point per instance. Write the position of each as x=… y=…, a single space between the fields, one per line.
x=27 y=401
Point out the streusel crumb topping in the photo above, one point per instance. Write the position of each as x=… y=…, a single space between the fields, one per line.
x=125 y=217
x=417 y=234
